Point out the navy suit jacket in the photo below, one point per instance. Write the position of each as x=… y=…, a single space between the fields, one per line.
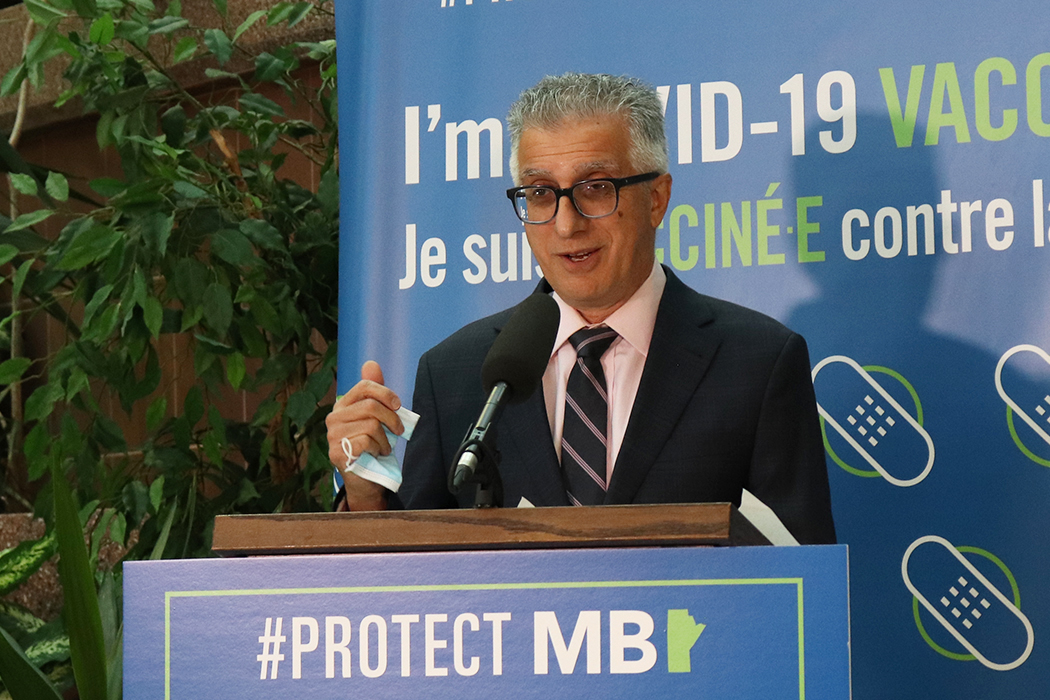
x=725 y=403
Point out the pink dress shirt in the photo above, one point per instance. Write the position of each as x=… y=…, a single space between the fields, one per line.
x=623 y=362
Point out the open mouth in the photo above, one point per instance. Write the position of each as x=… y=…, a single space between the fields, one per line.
x=579 y=257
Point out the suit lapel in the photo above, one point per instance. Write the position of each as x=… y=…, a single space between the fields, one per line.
x=529 y=435
x=524 y=428
x=679 y=355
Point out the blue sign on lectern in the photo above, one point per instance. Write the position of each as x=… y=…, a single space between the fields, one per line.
x=752 y=622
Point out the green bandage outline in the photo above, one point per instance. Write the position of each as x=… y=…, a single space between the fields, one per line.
x=797 y=582
x=918 y=419
x=1020 y=445
x=1014 y=589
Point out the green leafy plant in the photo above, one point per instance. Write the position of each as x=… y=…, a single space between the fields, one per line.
x=201 y=249
x=92 y=645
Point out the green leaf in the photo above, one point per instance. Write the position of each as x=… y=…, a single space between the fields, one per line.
x=156 y=493
x=13 y=369
x=191 y=317
x=269 y=67
x=218 y=307
x=247 y=492
x=26 y=184
x=193 y=406
x=109 y=603
x=257 y=103
x=20 y=562
x=173 y=123
x=133 y=30
x=280 y=12
x=13 y=80
x=328 y=193
x=99 y=531
x=153 y=315
x=235 y=369
x=85 y=8
x=7 y=253
x=220 y=5
x=18 y=620
x=233 y=247
x=86 y=642
x=42 y=13
x=299 y=12
x=188 y=190
x=165 y=532
x=267 y=411
x=57 y=186
x=104 y=326
x=89 y=246
x=138 y=287
x=156 y=230
x=108 y=186
x=262 y=233
x=42 y=48
x=100 y=296
x=216 y=73
x=21 y=677
x=191 y=277
x=102 y=29
x=42 y=401
x=104 y=129
x=78 y=382
x=35 y=445
x=213 y=347
x=248 y=22
x=301 y=405
x=319 y=383
x=118 y=531
x=219 y=44
x=50 y=643
x=30 y=219
x=185 y=49
x=20 y=278
x=156 y=413
x=212 y=447
x=168 y=25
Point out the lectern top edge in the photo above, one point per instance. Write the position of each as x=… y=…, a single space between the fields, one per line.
x=703 y=524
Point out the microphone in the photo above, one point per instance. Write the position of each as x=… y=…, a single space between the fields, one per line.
x=512 y=370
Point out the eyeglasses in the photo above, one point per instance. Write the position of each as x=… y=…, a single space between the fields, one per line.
x=592 y=198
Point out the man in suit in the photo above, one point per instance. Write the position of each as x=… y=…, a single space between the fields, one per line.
x=688 y=399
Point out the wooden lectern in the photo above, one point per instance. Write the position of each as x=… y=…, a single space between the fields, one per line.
x=701 y=524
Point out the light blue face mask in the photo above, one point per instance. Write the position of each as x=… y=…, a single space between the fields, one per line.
x=383 y=470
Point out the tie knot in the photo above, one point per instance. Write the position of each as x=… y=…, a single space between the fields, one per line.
x=593 y=342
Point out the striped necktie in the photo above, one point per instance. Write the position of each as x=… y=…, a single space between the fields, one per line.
x=583 y=441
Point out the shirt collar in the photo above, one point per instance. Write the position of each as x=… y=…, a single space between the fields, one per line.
x=634 y=321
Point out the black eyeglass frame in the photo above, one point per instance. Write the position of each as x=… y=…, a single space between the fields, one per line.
x=559 y=192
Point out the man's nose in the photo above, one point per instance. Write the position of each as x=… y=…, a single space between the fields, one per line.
x=567 y=220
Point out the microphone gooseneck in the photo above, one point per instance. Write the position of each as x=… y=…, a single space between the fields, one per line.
x=510 y=373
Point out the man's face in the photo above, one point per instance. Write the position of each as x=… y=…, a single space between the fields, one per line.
x=595 y=265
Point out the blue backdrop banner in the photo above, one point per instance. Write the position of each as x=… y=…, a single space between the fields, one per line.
x=874 y=175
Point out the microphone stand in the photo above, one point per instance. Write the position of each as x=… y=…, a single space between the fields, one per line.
x=477 y=461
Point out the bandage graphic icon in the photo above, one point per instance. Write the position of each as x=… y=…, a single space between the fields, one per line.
x=882 y=432
x=1030 y=401
x=974 y=611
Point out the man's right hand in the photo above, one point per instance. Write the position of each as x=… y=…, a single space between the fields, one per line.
x=359 y=416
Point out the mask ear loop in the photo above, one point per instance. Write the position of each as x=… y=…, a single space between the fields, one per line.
x=348 y=450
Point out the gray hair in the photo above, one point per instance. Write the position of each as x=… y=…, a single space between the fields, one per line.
x=557 y=98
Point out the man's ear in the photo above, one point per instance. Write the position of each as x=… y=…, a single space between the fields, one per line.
x=661 y=197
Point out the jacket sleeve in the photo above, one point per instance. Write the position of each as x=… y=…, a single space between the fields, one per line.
x=788 y=468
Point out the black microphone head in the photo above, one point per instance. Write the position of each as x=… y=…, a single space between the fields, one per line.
x=522 y=349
